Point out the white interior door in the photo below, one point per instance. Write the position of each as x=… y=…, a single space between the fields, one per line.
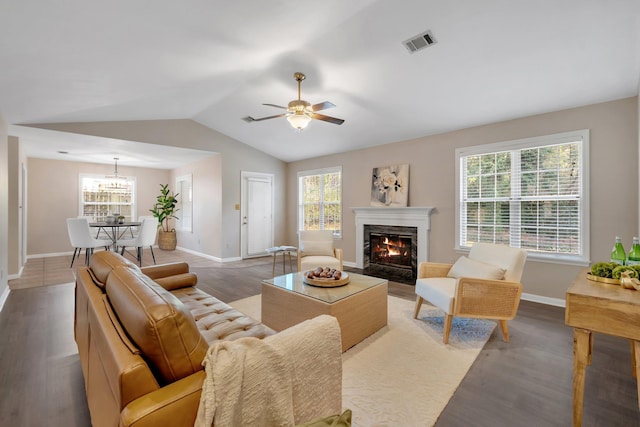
x=257 y=213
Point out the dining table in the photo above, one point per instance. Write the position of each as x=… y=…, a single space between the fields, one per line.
x=115 y=230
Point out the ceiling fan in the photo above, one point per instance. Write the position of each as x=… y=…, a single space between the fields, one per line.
x=300 y=112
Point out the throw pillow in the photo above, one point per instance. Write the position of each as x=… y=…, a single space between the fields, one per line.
x=467 y=267
x=316 y=248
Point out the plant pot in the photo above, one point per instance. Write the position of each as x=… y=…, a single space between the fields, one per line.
x=167 y=240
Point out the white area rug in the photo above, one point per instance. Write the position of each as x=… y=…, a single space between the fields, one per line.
x=403 y=375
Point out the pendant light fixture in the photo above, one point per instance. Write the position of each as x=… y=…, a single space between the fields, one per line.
x=115 y=181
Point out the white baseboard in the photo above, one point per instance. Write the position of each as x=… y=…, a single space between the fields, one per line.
x=50 y=255
x=211 y=257
x=544 y=300
x=349 y=264
x=4 y=296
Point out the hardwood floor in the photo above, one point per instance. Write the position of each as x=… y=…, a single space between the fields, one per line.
x=527 y=382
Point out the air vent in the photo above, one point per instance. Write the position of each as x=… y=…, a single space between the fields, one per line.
x=419 y=42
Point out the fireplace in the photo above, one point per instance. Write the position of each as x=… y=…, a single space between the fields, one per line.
x=391 y=252
x=401 y=223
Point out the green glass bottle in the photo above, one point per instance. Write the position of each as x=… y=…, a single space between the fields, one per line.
x=634 y=253
x=618 y=255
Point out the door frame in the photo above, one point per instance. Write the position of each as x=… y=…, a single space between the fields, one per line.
x=244 y=178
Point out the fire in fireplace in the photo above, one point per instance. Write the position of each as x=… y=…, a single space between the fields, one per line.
x=391 y=252
x=391 y=249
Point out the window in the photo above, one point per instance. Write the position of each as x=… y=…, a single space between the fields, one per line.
x=184 y=188
x=530 y=194
x=100 y=197
x=320 y=200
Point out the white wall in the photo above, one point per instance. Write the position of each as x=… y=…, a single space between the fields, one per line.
x=207 y=205
x=53 y=196
x=13 y=217
x=235 y=158
x=4 y=209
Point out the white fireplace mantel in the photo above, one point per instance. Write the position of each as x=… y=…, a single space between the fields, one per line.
x=408 y=217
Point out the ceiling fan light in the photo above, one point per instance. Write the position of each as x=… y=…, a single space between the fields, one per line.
x=299 y=121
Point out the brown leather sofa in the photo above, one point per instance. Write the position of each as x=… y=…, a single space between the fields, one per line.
x=142 y=334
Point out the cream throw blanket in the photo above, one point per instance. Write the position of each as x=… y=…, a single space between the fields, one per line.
x=285 y=379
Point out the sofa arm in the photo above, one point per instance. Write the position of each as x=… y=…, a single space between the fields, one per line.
x=339 y=255
x=483 y=298
x=433 y=269
x=165 y=270
x=175 y=405
x=178 y=281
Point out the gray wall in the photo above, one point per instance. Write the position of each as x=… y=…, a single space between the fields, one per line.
x=613 y=182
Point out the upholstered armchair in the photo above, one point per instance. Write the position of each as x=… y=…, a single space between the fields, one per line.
x=484 y=285
x=315 y=249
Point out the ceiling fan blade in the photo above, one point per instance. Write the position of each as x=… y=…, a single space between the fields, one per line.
x=322 y=106
x=324 y=118
x=250 y=119
x=277 y=106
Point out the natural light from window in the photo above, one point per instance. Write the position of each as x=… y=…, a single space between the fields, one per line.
x=530 y=194
x=320 y=200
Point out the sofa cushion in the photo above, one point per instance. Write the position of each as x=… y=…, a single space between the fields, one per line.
x=467 y=267
x=158 y=323
x=101 y=263
x=219 y=321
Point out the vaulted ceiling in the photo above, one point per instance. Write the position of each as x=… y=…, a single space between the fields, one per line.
x=217 y=61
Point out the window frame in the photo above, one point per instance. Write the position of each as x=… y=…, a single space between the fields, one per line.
x=582 y=136
x=185 y=218
x=337 y=234
x=134 y=196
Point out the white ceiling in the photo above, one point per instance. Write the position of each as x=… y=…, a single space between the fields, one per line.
x=217 y=61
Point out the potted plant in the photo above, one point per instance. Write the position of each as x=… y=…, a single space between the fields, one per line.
x=163 y=210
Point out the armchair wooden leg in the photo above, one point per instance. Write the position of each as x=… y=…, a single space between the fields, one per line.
x=419 y=301
x=505 y=330
x=448 y=318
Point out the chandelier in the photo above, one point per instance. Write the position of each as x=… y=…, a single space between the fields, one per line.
x=114 y=181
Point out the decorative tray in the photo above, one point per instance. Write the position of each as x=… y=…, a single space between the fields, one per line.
x=603 y=279
x=328 y=283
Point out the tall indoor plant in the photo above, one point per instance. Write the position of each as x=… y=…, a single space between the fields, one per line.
x=163 y=210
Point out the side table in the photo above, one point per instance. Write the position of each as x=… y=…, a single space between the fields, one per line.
x=284 y=250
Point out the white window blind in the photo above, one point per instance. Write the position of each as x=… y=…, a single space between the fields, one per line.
x=320 y=200
x=529 y=194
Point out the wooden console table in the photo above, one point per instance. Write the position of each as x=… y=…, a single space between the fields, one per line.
x=599 y=307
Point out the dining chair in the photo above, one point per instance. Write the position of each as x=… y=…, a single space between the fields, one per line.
x=146 y=237
x=484 y=285
x=315 y=249
x=81 y=238
x=136 y=230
